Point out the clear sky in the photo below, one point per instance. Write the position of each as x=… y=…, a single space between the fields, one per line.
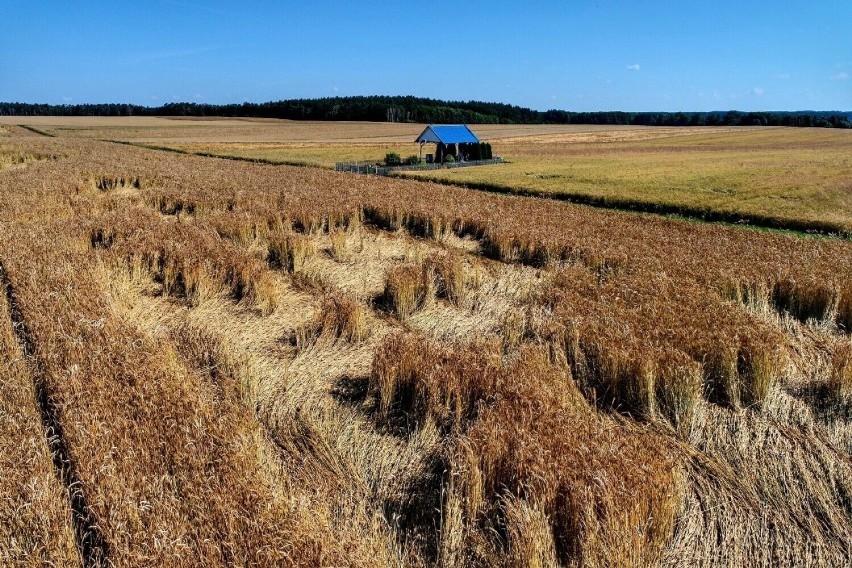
x=583 y=55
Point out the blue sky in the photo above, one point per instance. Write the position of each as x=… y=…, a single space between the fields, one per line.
x=604 y=55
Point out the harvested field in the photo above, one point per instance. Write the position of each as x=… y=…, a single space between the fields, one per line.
x=271 y=365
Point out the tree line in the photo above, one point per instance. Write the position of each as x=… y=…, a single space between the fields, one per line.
x=425 y=110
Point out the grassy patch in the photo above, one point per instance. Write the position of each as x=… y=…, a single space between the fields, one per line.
x=777 y=177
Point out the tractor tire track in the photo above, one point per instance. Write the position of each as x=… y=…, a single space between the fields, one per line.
x=91 y=542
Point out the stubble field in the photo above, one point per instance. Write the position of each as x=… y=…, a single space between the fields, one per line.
x=216 y=362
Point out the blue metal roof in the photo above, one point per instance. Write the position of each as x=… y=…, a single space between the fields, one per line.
x=448 y=134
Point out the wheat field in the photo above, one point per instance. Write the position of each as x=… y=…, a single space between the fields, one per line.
x=792 y=178
x=215 y=362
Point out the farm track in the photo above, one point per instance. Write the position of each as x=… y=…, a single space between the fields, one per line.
x=90 y=540
x=35 y=130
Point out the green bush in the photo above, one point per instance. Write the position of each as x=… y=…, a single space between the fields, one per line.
x=392 y=159
x=412 y=160
x=449 y=158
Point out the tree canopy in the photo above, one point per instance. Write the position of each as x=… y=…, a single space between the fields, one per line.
x=425 y=110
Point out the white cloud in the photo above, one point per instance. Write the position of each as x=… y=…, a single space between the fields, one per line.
x=67 y=99
x=335 y=88
x=784 y=76
x=757 y=91
x=842 y=76
x=634 y=67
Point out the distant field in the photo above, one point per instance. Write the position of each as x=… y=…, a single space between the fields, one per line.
x=795 y=178
x=326 y=152
x=271 y=131
x=792 y=176
x=786 y=177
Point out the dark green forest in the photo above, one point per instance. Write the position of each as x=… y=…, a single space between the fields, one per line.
x=424 y=110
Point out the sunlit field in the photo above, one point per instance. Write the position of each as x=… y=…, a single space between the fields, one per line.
x=784 y=177
x=216 y=362
x=795 y=176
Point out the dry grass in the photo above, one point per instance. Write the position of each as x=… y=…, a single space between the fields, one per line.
x=559 y=385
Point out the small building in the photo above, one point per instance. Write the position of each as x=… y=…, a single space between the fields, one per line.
x=454 y=140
